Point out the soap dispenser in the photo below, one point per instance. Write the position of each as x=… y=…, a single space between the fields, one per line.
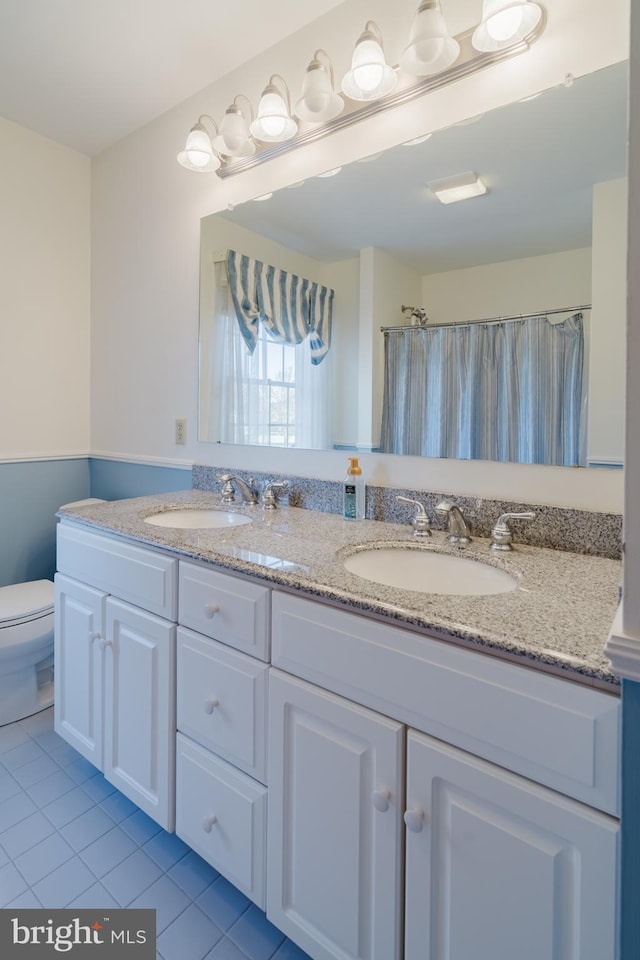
x=354 y=491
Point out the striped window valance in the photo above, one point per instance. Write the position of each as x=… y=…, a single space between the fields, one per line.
x=291 y=307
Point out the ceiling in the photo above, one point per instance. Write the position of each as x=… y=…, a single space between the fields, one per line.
x=86 y=73
x=539 y=160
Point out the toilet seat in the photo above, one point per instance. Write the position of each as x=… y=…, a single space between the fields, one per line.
x=22 y=602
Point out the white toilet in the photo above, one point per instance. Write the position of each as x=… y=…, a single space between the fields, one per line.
x=26 y=646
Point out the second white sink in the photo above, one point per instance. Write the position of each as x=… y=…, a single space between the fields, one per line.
x=425 y=571
x=196 y=519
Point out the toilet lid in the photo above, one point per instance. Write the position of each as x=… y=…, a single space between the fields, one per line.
x=25 y=601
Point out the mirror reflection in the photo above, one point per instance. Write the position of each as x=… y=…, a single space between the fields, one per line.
x=489 y=328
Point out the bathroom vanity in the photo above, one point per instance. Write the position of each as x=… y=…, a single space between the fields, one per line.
x=387 y=774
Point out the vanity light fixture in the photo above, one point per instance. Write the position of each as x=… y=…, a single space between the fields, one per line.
x=274 y=122
x=198 y=154
x=234 y=138
x=370 y=76
x=505 y=22
x=431 y=60
x=431 y=47
x=461 y=187
x=319 y=101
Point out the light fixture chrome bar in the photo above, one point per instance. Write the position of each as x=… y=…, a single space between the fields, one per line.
x=404 y=327
x=469 y=63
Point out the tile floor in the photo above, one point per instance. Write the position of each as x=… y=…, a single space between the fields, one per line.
x=68 y=838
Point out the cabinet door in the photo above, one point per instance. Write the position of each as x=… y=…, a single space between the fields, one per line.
x=334 y=823
x=499 y=867
x=139 y=733
x=79 y=625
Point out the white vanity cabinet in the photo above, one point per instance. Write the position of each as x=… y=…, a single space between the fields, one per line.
x=115 y=664
x=221 y=794
x=498 y=865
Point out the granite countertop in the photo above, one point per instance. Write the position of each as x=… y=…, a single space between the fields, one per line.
x=557 y=619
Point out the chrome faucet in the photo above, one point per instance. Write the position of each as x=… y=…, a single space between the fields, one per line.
x=456 y=526
x=420 y=523
x=501 y=536
x=271 y=493
x=247 y=490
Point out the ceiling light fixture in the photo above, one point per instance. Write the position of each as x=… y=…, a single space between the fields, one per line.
x=234 y=138
x=431 y=47
x=370 y=76
x=198 y=154
x=319 y=101
x=274 y=122
x=461 y=187
x=505 y=22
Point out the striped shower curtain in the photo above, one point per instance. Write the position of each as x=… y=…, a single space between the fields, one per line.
x=291 y=307
x=509 y=391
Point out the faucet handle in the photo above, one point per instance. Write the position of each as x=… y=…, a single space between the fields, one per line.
x=501 y=535
x=420 y=523
x=270 y=497
x=228 y=493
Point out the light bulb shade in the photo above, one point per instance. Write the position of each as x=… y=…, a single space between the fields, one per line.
x=234 y=139
x=318 y=102
x=273 y=122
x=505 y=22
x=198 y=154
x=370 y=76
x=431 y=49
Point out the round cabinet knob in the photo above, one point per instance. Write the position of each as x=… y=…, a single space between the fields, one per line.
x=210 y=610
x=208 y=822
x=414 y=820
x=380 y=800
x=210 y=705
x=94 y=636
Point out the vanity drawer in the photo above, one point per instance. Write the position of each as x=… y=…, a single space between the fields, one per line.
x=142 y=577
x=222 y=701
x=222 y=814
x=225 y=608
x=552 y=731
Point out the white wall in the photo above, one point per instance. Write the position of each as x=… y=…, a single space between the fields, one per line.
x=146 y=212
x=511 y=287
x=605 y=439
x=44 y=297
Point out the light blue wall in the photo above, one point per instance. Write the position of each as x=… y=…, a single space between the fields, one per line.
x=117 y=480
x=30 y=494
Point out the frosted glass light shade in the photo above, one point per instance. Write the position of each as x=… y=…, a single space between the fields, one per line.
x=318 y=102
x=234 y=139
x=273 y=122
x=505 y=22
x=370 y=76
x=198 y=154
x=431 y=49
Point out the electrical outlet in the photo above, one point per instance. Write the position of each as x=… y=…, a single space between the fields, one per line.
x=181 y=430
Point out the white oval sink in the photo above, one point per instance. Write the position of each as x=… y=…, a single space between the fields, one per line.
x=427 y=572
x=196 y=519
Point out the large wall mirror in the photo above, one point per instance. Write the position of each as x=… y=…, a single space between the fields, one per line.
x=545 y=245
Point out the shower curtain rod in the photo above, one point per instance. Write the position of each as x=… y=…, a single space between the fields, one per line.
x=467 y=323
